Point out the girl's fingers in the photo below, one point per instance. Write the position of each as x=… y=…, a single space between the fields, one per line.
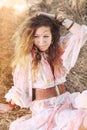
x=4 y=108
x=2 y=111
x=39 y=13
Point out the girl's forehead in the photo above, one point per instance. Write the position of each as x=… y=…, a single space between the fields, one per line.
x=43 y=29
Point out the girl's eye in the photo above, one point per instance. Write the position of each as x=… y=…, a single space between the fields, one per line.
x=46 y=36
x=35 y=36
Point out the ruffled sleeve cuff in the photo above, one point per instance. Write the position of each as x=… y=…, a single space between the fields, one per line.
x=71 y=45
x=17 y=98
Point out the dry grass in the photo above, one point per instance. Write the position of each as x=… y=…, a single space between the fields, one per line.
x=7 y=118
x=8 y=25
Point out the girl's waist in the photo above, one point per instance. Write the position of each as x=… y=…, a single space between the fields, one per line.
x=40 y=94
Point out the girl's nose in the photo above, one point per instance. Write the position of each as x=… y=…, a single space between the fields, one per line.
x=41 y=41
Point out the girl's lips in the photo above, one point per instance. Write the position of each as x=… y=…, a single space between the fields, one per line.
x=42 y=47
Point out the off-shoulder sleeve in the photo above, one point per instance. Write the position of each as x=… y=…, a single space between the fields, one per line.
x=71 y=45
x=21 y=92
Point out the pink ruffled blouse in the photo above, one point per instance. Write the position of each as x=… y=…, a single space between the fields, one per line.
x=70 y=44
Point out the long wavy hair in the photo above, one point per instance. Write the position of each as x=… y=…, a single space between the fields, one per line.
x=24 y=36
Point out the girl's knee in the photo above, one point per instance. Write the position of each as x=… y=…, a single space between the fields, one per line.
x=85 y=122
x=83 y=125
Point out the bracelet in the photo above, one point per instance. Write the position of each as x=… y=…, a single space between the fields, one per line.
x=70 y=25
x=55 y=16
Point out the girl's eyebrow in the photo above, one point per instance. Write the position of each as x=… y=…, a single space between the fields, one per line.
x=46 y=31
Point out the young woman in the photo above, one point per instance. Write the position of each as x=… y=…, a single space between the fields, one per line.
x=41 y=63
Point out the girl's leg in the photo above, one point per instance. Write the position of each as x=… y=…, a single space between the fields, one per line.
x=84 y=124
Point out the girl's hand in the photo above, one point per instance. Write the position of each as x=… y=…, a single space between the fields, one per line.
x=59 y=16
x=46 y=14
x=5 y=108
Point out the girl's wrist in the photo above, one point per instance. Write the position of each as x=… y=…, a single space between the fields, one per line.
x=64 y=21
x=12 y=105
x=67 y=23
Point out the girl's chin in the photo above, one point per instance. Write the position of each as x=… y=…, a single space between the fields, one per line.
x=42 y=49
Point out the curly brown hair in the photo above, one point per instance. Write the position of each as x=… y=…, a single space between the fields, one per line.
x=54 y=26
x=24 y=40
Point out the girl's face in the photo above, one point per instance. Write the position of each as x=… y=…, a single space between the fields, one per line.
x=43 y=38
